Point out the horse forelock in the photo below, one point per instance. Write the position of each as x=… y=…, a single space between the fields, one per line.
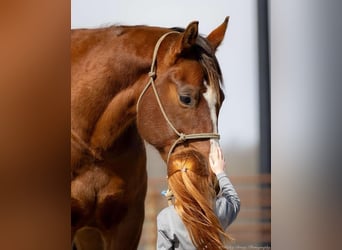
x=205 y=55
x=211 y=66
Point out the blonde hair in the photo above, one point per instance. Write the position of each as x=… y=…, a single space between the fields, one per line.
x=192 y=185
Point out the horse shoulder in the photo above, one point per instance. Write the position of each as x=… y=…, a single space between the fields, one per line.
x=119 y=113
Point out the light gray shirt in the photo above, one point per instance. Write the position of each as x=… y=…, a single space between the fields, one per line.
x=172 y=233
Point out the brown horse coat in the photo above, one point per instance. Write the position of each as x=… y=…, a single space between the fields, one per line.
x=108 y=161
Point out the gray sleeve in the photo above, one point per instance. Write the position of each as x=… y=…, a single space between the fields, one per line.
x=228 y=203
x=163 y=240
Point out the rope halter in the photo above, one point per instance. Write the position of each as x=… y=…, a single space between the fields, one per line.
x=152 y=75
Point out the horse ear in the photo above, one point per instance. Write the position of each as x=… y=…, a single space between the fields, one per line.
x=190 y=35
x=185 y=41
x=216 y=36
x=187 y=38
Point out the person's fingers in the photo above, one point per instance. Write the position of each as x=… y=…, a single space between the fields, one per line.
x=219 y=153
x=211 y=161
x=214 y=154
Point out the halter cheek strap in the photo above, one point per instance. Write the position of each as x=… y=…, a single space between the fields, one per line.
x=152 y=74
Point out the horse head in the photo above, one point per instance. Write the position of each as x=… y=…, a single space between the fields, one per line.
x=178 y=109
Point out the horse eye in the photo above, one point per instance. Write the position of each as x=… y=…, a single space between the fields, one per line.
x=185 y=99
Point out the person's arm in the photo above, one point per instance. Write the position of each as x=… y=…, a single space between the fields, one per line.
x=228 y=204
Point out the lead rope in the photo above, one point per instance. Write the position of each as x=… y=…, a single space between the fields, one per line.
x=152 y=74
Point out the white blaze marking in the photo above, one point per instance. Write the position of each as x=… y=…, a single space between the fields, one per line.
x=211 y=98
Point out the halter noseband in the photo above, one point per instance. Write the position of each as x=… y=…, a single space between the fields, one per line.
x=181 y=136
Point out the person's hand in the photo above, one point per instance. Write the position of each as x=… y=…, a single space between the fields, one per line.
x=216 y=160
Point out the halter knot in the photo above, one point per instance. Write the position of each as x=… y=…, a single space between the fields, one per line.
x=182 y=137
x=152 y=74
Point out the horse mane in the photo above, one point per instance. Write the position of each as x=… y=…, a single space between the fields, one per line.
x=206 y=56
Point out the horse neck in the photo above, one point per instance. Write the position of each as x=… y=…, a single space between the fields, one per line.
x=123 y=76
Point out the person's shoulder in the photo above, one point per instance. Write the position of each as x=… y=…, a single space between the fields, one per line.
x=165 y=211
x=165 y=216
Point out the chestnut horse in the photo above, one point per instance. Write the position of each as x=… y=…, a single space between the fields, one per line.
x=130 y=84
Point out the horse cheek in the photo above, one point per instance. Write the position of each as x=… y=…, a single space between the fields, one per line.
x=151 y=125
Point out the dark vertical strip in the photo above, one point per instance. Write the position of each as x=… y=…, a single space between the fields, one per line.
x=264 y=87
x=264 y=110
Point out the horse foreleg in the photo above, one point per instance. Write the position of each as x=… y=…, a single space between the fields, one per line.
x=81 y=210
x=126 y=234
x=88 y=239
